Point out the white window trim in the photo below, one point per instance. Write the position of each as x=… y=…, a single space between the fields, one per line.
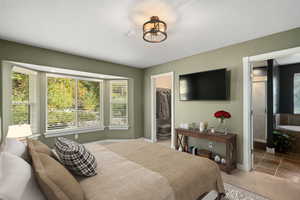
x=112 y=126
x=71 y=131
x=295 y=75
x=118 y=127
x=33 y=101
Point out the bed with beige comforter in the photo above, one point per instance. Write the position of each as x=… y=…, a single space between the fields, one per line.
x=145 y=171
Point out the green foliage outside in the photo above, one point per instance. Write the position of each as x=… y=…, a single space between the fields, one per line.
x=119 y=103
x=20 y=98
x=63 y=107
x=62 y=102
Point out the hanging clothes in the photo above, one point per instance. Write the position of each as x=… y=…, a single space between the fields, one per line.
x=163 y=113
x=163 y=103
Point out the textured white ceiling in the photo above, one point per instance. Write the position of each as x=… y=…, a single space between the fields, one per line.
x=111 y=30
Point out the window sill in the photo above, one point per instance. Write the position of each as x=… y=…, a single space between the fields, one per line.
x=49 y=134
x=118 y=127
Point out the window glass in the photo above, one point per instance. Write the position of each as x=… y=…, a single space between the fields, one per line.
x=119 y=103
x=61 y=103
x=73 y=103
x=88 y=99
x=297 y=93
x=20 y=99
x=23 y=105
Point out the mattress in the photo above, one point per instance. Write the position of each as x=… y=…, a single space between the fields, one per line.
x=147 y=171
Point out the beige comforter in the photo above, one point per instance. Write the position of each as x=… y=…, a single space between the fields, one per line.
x=145 y=171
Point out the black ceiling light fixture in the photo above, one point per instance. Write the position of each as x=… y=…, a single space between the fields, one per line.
x=154 y=31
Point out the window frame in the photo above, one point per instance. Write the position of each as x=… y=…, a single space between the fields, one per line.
x=33 y=101
x=113 y=126
x=76 y=130
x=295 y=75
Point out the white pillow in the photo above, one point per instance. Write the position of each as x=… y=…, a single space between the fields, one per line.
x=15 y=147
x=17 y=180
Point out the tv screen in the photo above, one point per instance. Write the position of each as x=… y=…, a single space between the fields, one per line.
x=209 y=85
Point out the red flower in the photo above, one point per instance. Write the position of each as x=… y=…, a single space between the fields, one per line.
x=222 y=114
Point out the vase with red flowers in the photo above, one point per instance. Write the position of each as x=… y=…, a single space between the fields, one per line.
x=222 y=115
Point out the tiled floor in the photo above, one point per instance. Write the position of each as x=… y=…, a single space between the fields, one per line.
x=281 y=165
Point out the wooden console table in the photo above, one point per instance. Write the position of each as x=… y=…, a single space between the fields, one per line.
x=229 y=139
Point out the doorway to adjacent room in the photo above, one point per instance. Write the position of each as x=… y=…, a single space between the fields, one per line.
x=162 y=108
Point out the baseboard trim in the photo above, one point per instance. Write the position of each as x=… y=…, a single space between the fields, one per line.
x=241 y=167
x=110 y=140
x=119 y=140
x=148 y=140
x=260 y=140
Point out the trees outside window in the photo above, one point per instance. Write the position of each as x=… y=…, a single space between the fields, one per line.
x=119 y=103
x=20 y=99
x=73 y=103
x=23 y=105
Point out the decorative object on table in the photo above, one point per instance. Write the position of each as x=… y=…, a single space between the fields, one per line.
x=217 y=158
x=212 y=130
x=205 y=125
x=204 y=153
x=282 y=141
x=221 y=115
x=201 y=127
x=184 y=125
x=192 y=126
x=228 y=140
x=223 y=161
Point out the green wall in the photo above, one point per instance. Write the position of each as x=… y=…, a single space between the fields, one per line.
x=11 y=51
x=192 y=111
x=229 y=57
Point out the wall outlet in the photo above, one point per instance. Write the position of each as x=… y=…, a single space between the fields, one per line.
x=76 y=136
x=210 y=145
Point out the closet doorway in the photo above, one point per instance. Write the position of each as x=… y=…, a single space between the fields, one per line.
x=162 y=108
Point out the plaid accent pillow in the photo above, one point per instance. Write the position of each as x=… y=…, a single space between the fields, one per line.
x=75 y=157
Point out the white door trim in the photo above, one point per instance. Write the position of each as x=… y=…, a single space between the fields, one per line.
x=247 y=102
x=153 y=108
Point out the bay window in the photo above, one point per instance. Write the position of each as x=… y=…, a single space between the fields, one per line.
x=24 y=104
x=73 y=103
x=118 y=103
x=59 y=102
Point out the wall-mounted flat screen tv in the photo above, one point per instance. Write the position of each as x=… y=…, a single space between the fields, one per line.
x=208 y=85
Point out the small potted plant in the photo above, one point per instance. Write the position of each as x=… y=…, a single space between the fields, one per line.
x=282 y=142
x=221 y=115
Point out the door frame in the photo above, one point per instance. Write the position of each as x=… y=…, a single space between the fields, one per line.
x=266 y=108
x=247 y=99
x=153 y=108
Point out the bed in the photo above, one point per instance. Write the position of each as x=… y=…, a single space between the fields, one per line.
x=142 y=170
x=135 y=170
